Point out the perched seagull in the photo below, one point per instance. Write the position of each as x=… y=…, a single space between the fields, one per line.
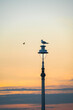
x=23 y=43
x=43 y=42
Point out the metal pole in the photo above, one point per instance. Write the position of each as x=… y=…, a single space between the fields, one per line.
x=43 y=84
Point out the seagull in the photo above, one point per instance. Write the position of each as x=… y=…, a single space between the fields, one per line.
x=23 y=43
x=43 y=42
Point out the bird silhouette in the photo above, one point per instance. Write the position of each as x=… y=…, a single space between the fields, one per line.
x=44 y=42
x=23 y=43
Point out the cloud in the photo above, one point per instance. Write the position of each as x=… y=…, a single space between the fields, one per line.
x=66 y=86
x=71 y=80
x=50 y=107
x=25 y=89
x=22 y=89
x=15 y=109
x=36 y=98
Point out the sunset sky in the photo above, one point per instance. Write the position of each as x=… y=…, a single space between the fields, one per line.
x=30 y=21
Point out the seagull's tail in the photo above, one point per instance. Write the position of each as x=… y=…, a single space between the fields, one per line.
x=47 y=43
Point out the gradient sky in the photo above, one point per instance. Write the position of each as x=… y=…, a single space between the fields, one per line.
x=31 y=21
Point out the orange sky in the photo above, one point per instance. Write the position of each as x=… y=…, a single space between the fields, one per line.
x=20 y=65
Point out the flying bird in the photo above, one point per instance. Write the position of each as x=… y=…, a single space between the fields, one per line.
x=23 y=43
x=43 y=42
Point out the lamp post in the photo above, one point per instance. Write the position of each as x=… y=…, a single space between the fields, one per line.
x=43 y=51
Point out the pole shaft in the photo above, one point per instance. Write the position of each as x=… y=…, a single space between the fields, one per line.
x=43 y=93
x=43 y=85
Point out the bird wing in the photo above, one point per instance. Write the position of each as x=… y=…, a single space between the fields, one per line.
x=23 y=43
